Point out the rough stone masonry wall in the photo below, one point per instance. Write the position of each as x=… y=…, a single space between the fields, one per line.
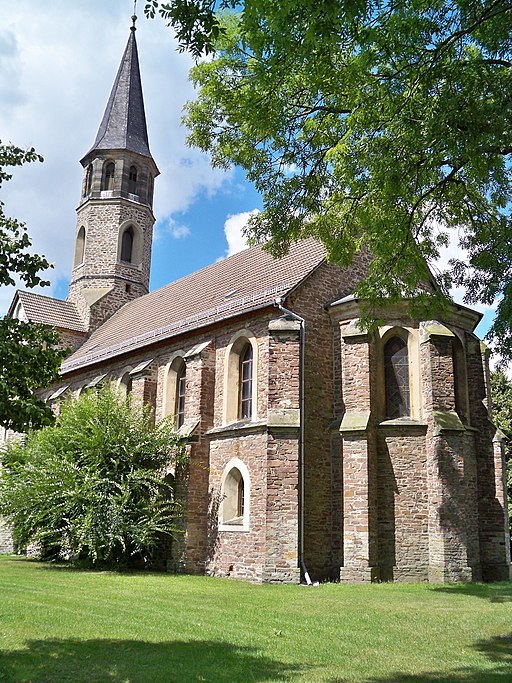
x=448 y=557
x=100 y=268
x=240 y=554
x=326 y=284
x=283 y=418
x=494 y=540
x=402 y=497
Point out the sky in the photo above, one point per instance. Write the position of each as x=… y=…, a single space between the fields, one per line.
x=58 y=61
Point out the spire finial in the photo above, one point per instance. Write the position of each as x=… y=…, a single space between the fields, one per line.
x=134 y=16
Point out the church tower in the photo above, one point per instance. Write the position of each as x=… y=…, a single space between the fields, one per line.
x=112 y=257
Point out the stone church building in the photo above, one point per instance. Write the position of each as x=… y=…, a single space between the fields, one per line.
x=317 y=451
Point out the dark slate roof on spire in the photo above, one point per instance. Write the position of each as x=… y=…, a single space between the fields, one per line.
x=124 y=121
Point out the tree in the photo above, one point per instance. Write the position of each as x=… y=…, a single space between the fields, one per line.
x=380 y=126
x=92 y=483
x=29 y=358
x=501 y=393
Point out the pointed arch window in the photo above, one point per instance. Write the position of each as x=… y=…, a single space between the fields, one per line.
x=80 y=247
x=127 y=245
x=396 y=369
x=132 y=180
x=181 y=382
x=126 y=384
x=108 y=178
x=245 y=383
x=233 y=498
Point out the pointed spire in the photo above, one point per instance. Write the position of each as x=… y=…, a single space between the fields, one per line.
x=124 y=122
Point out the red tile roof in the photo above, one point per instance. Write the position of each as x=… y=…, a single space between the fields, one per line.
x=45 y=309
x=247 y=280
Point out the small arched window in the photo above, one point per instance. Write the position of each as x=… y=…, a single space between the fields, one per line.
x=181 y=382
x=88 y=181
x=108 y=179
x=80 y=247
x=396 y=368
x=245 y=383
x=125 y=385
x=132 y=180
x=127 y=245
x=233 y=498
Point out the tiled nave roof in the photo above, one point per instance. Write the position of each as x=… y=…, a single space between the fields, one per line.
x=249 y=279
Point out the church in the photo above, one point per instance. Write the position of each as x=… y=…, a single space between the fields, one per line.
x=317 y=451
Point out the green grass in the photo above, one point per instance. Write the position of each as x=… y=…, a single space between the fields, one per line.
x=62 y=624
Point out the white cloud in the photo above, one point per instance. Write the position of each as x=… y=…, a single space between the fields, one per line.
x=177 y=230
x=234 y=231
x=58 y=62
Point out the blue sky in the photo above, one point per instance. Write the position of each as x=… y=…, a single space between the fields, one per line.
x=58 y=61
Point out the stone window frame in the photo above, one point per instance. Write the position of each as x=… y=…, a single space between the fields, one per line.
x=137 y=244
x=125 y=387
x=88 y=180
x=133 y=183
x=80 y=244
x=108 y=179
x=231 y=392
x=229 y=499
x=411 y=337
x=172 y=369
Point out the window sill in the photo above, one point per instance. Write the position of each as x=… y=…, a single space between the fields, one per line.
x=406 y=422
x=234 y=526
x=243 y=426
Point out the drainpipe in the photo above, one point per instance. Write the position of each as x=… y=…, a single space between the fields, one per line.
x=279 y=304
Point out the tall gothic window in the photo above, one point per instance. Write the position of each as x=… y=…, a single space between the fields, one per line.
x=396 y=368
x=245 y=390
x=108 y=179
x=181 y=381
x=127 y=245
x=132 y=184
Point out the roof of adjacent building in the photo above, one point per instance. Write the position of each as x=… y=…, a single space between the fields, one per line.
x=124 y=122
x=245 y=281
x=44 y=309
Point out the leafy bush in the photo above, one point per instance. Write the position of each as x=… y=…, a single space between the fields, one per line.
x=92 y=485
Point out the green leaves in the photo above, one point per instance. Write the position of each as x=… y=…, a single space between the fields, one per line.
x=369 y=125
x=501 y=393
x=93 y=484
x=29 y=360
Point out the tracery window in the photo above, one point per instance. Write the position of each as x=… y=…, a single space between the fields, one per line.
x=245 y=385
x=396 y=369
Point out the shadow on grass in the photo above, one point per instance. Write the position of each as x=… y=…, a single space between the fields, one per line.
x=113 y=661
x=494 y=592
x=498 y=651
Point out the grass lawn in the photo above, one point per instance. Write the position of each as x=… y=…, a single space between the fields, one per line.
x=61 y=624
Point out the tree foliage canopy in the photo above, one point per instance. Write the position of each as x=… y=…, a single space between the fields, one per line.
x=371 y=125
x=29 y=358
x=92 y=484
